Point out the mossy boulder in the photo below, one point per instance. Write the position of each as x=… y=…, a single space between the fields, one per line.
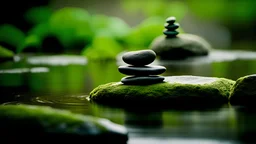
x=43 y=122
x=180 y=47
x=176 y=91
x=244 y=91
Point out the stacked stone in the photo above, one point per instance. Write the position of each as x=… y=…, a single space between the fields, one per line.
x=170 y=27
x=138 y=70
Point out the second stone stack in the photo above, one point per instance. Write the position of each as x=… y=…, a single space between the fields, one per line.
x=138 y=69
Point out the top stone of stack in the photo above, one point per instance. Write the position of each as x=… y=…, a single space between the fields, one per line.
x=139 y=58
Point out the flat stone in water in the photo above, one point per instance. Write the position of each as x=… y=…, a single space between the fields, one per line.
x=141 y=70
x=139 y=58
x=171 y=27
x=174 y=92
x=170 y=20
x=142 y=80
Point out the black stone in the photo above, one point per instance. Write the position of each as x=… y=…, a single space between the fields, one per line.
x=141 y=80
x=170 y=20
x=171 y=27
x=141 y=70
x=139 y=58
x=170 y=33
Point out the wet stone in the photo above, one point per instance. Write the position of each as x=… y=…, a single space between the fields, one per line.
x=170 y=33
x=139 y=58
x=142 y=80
x=170 y=20
x=171 y=27
x=44 y=123
x=141 y=70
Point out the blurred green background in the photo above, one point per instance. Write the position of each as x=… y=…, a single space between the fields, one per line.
x=89 y=27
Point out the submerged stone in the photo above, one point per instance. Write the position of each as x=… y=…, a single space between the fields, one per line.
x=139 y=58
x=180 y=47
x=175 y=91
x=142 y=70
x=141 y=80
x=28 y=122
x=244 y=91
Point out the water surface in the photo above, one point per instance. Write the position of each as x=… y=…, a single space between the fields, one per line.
x=67 y=84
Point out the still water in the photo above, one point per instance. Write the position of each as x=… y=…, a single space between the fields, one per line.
x=65 y=82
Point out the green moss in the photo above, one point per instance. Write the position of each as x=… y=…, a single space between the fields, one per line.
x=43 y=121
x=168 y=93
x=48 y=118
x=244 y=91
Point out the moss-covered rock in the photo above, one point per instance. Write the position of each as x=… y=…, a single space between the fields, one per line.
x=30 y=121
x=244 y=91
x=180 y=47
x=175 y=91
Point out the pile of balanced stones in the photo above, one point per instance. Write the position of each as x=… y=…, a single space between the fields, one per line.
x=138 y=69
x=170 y=27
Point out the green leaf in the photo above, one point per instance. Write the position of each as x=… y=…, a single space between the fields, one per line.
x=37 y=15
x=103 y=47
x=5 y=53
x=11 y=35
x=70 y=24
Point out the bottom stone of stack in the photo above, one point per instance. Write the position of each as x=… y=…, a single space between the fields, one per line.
x=141 y=80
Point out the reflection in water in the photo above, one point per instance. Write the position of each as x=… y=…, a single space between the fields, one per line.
x=58 y=60
x=143 y=119
x=150 y=140
x=246 y=118
x=67 y=87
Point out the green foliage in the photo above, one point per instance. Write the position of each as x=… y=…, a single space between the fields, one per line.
x=35 y=37
x=31 y=41
x=102 y=47
x=142 y=35
x=37 y=15
x=12 y=36
x=70 y=24
x=224 y=10
x=5 y=53
x=161 y=8
x=114 y=26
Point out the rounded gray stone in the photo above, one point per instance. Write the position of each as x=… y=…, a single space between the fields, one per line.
x=142 y=70
x=142 y=80
x=180 y=47
x=139 y=57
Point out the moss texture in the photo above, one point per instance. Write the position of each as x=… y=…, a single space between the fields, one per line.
x=46 y=122
x=244 y=91
x=174 y=91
